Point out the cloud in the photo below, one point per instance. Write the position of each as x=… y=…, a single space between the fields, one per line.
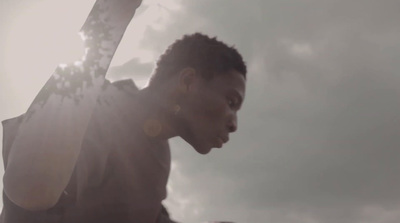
x=317 y=139
x=132 y=69
x=318 y=133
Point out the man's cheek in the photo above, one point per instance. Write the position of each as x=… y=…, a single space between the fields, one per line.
x=216 y=111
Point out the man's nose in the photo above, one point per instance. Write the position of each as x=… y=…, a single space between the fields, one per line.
x=232 y=124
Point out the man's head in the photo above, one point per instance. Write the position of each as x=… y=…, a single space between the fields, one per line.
x=207 y=79
x=206 y=55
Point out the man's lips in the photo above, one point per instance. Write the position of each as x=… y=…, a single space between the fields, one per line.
x=224 y=139
x=220 y=140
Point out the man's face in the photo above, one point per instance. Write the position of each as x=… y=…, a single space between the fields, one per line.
x=210 y=110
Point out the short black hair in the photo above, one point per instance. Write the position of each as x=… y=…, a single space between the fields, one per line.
x=199 y=51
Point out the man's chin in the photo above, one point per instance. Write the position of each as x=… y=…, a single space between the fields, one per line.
x=202 y=149
x=200 y=146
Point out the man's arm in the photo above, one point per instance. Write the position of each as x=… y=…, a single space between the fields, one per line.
x=48 y=142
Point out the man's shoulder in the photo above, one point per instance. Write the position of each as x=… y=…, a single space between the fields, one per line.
x=126 y=85
x=117 y=100
x=114 y=94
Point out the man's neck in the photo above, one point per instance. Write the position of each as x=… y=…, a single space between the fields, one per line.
x=156 y=116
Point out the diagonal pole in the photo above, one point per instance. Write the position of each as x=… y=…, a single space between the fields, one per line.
x=49 y=135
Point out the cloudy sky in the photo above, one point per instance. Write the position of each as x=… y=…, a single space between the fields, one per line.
x=318 y=138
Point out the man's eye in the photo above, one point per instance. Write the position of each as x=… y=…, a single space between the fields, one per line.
x=231 y=103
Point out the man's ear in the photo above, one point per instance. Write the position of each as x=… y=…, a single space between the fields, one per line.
x=188 y=78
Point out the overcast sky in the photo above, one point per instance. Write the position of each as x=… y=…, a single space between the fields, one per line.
x=318 y=138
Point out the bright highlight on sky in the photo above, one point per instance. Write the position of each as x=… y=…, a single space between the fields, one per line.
x=45 y=34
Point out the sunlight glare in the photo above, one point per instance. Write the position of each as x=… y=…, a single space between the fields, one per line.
x=39 y=38
x=157 y=16
x=46 y=34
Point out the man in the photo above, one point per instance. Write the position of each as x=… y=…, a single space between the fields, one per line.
x=88 y=150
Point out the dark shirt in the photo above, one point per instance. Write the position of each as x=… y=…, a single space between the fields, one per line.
x=120 y=176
